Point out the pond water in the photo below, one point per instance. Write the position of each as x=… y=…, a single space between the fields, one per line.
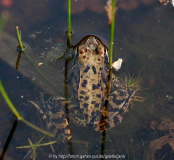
x=142 y=29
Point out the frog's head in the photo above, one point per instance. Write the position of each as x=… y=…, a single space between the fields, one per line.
x=89 y=46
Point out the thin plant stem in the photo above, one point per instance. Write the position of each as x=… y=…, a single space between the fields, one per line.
x=33 y=148
x=16 y=113
x=44 y=144
x=19 y=39
x=36 y=128
x=109 y=79
x=112 y=32
x=69 y=17
x=147 y=60
x=69 y=22
x=10 y=136
x=9 y=103
x=144 y=155
x=111 y=41
x=26 y=55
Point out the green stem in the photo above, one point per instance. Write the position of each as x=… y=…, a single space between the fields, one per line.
x=9 y=103
x=112 y=32
x=111 y=41
x=44 y=144
x=36 y=128
x=69 y=22
x=69 y=17
x=19 y=39
x=147 y=60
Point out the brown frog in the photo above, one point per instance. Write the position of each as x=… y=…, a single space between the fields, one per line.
x=88 y=79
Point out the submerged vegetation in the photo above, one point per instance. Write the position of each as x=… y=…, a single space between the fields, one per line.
x=132 y=84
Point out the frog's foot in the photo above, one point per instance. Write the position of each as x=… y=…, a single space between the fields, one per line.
x=54 y=117
x=117 y=106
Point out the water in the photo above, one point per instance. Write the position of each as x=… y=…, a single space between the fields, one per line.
x=138 y=33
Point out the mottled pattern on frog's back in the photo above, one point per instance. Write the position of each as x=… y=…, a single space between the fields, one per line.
x=91 y=86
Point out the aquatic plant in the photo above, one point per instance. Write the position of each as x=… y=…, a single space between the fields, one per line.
x=133 y=83
x=69 y=23
x=34 y=146
x=16 y=113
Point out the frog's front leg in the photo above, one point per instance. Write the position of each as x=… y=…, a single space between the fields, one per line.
x=113 y=114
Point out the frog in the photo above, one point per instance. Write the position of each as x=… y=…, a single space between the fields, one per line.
x=88 y=107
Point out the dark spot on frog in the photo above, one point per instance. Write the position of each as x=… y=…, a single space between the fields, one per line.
x=101 y=68
x=98 y=59
x=96 y=105
x=86 y=69
x=117 y=101
x=95 y=86
x=81 y=97
x=81 y=76
x=94 y=70
x=93 y=113
x=104 y=80
x=98 y=95
x=84 y=83
x=86 y=98
x=86 y=105
x=82 y=92
x=92 y=102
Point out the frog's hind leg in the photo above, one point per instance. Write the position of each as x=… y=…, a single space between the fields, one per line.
x=55 y=117
x=117 y=106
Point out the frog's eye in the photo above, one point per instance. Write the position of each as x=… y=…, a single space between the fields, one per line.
x=82 y=49
x=101 y=50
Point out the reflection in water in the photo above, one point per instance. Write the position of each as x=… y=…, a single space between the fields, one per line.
x=66 y=104
x=19 y=56
x=9 y=139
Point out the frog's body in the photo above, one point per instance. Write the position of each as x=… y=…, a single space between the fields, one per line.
x=89 y=80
